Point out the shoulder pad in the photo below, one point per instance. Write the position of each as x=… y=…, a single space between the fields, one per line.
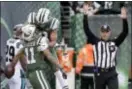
x=43 y=43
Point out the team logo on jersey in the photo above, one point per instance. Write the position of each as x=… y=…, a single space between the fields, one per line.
x=112 y=48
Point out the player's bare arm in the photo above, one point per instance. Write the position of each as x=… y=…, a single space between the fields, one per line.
x=23 y=62
x=19 y=55
x=9 y=70
x=52 y=59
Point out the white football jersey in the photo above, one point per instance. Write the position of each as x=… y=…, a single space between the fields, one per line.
x=12 y=48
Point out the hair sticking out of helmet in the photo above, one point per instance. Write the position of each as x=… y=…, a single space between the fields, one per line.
x=28 y=32
x=54 y=24
x=43 y=16
x=31 y=19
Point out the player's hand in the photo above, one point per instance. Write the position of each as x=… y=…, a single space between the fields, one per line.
x=9 y=71
x=123 y=13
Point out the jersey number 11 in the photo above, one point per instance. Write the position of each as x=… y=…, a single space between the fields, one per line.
x=30 y=55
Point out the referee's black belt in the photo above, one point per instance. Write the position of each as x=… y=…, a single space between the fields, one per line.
x=88 y=69
x=106 y=69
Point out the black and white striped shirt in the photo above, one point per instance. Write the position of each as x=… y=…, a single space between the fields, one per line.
x=105 y=51
x=104 y=54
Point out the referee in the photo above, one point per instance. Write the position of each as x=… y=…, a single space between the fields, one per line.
x=105 y=50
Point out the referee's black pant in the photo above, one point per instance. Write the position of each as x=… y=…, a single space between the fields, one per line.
x=106 y=78
x=87 y=78
x=87 y=82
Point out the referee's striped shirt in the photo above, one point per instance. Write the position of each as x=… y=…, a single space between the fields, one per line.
x=105 y=51
x=104 y=54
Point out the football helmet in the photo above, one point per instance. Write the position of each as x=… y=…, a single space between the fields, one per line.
x=28 y=32
x=31 y=19
x=43 y=16
x=54 y=25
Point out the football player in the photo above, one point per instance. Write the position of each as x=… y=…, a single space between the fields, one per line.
x=13 y=45
x=44 y=17
x=36 y=46
x=31 y=19
x=52 y=33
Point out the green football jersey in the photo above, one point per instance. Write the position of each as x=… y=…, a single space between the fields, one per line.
x=37 y=62
x=34 y=53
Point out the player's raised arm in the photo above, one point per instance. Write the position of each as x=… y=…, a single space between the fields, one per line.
x=124 y=32
x=90 y=36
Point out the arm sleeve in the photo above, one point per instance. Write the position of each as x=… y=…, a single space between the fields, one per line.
x=42 y=44
x=91 y=38
x=123 y=34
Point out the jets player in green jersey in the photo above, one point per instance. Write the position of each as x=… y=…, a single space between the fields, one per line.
x=36 y=47
x=53 y=27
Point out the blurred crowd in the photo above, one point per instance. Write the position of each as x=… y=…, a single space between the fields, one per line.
x=99 y=7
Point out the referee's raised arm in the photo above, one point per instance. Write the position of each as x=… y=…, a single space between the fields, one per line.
x=124 y=32
x=91 y=38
